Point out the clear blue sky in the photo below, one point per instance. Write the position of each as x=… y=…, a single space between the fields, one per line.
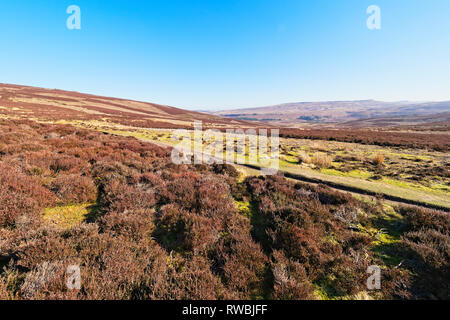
x=221 y=54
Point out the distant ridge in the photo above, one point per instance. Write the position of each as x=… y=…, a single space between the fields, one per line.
x=335 y=111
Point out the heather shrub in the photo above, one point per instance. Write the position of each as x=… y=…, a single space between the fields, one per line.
x=136 y=224
x=151 y=179
x=4 y=294
x=40 y=279
x=117 y=196
x=192 y=279
x=396 y=283
x=418 y=218
x=308 y=231
x=10 y=285
x=123 y=269
x=105 y=171
x=67 y=164
x=225 y=169
x=20 y=195
x=172 y=228
x=180 y=189
x=425 y=247
x=112 y=267
x=213 y=197
x=290 y=279
x=183 y=231
x=239 y=260
x=73 y=189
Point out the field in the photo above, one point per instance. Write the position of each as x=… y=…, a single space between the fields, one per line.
x=418 y=140
x=101 y=192
x=411 y=174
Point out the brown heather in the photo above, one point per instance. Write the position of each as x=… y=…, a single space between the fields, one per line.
x=160 y=231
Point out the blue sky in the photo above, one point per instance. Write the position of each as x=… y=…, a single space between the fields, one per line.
x=228 y=53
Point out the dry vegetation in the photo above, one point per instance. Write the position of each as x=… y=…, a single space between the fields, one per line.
x=437 y=142
x=140 y=227
x=378 y=159
x=54 y=105
x=321 y=160
x=406 y=169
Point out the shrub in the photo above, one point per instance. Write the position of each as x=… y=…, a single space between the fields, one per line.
x=240 y=261
x=73 y=188
x=303 y=157
x=290 y=279
x=193 y=280
x=136 y=224
x=226 y=169
x=321 y=160
x=119 y=197
x=378 y=159
x=20 y=195
x=425 y=248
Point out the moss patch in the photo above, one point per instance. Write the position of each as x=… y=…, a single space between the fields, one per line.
x=70 y=216
x=244 y=208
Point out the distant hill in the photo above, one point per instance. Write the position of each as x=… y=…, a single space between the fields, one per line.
x=53 y=104
x=434 y=121
x=293 y=114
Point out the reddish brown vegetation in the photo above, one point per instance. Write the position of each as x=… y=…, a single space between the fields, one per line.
x=425 y=247
x=58 y=104
x=161 y=231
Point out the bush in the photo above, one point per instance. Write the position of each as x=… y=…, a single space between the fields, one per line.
x=425 y=246
x=303 y=157
x=321 y=160
x=20 y=195
x=73 y=188
x=378 y=159
x=290 y=279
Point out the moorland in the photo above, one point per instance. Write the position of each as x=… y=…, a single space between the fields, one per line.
x=88 y=181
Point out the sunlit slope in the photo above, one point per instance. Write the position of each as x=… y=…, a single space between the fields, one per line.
x=39 y=103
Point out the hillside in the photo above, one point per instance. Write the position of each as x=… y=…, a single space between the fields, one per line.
x=435 y=122
x=139 y=227
x=47 y=104
x=89 y=181
x=293 y=114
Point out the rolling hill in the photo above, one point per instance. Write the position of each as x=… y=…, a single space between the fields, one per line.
x=294 y=114
x=437 y=122
x=52 y=104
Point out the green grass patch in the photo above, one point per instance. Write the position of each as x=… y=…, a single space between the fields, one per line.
x=407 y=156
x=244 y=208
x=390 y=227
x=438 y=189
x=362 y=174
x=69 y=216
